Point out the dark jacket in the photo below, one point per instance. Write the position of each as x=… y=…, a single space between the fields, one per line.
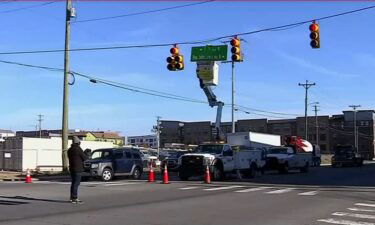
x=76 y=158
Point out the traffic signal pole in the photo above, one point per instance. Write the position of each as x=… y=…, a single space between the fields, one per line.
x=65 y=126
x=233 y=99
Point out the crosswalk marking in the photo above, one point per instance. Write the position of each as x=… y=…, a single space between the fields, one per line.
x=281 y=191
x=252 y=189
x=188 y=188
x=222 y=188
x=361 y=210
x=365 y=204
x=344 y=222
x=356 y=215
x=309 y=193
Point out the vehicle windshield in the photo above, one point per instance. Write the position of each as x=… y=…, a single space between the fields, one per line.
x=101 y=154
x=277 y=151
x=212 y=149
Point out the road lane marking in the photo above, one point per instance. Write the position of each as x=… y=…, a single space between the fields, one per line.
x=355 y=215
x=365 y=204
x=252 y=189
x=361 y=210
x=117 y=184
x=281 y=191
x=309 y=193
x=222 y=188
x=344 y=222
x=188 y=188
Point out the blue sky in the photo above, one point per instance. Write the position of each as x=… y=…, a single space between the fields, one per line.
x=275 y=62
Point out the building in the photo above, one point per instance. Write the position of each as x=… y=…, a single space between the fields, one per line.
x=148 y=141
x=6 y=133
x=103 y=136
x=328 y=132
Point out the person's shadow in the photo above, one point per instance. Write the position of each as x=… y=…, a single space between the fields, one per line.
x=27 y=199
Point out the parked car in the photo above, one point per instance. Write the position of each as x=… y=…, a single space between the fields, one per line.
x=346 y=156
x=172 y=160
x=112 y=162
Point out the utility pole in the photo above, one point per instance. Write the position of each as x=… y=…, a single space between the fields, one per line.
x=306 y=85
x=65 y=124
x=233 y=100
x=355 y=125
x=158 y=133
x=316 y=122
x=40 y=119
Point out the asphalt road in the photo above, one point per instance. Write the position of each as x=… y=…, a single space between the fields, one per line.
x=322 y=196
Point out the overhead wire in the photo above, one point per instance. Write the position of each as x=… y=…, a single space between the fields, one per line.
x=190 y=42
x=133 y=88
x=28 y=7
x=143 y=13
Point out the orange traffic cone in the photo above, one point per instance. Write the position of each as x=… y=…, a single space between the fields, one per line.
x=207 y=176
x=28 y=179
x=151 y=175
x=165 y=177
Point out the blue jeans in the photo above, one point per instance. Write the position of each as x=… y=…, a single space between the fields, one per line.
x=76 y=180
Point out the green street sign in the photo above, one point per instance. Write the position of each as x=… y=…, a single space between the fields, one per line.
x=209 y=53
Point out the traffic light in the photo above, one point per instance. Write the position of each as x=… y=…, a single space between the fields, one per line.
x=314 y=35
x=236 y=50
x=175 y=61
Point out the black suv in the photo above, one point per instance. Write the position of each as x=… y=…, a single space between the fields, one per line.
x=111 y=162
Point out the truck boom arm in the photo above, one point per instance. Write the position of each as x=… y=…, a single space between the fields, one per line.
x=212 y=101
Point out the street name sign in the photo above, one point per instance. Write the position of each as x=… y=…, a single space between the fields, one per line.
x=209 y=53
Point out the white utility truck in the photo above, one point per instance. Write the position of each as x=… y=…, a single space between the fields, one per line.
x=244 y=152
x=296 y=154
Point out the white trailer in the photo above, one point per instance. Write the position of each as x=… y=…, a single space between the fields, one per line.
x=254 y=140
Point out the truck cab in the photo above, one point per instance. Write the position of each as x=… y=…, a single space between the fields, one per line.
x=221 y=159
x=296 y=154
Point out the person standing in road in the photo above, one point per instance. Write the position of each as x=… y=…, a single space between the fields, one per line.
x=76 y=159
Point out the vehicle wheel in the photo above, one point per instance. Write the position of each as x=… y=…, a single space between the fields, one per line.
x=284 y=168
x=107 y=174
x=217 y=173
x=305 y=169
x=253 y=171
x=137 y=173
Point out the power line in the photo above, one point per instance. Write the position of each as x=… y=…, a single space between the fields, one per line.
x=270 y=112
x=28 y=7
x=140 y=89
x=189 y=42
x=142 y=13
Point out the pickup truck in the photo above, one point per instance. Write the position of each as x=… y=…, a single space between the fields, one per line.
x=221 y=159
x=346 y=156
x=285 y=158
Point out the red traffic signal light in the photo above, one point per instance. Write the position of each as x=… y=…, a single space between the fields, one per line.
x=174 y=51
x=314 y=35
x=236 y=49
x=176 y=61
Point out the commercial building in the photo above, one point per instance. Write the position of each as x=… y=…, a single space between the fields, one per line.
x=6 y=133
x=147 y=141
x=328 y=132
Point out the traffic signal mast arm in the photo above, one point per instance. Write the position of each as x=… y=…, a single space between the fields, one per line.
x=212 y=101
